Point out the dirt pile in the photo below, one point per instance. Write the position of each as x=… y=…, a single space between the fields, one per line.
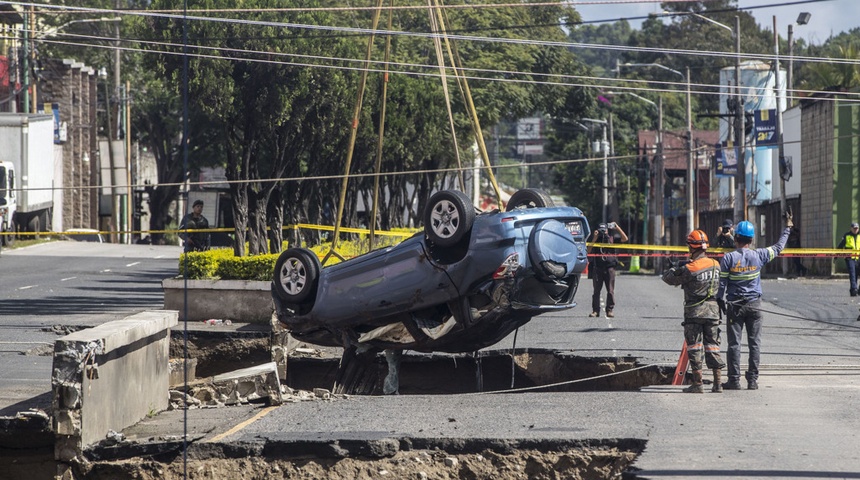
x=576 y=464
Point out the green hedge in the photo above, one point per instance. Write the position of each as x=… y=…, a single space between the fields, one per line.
x=220 y=263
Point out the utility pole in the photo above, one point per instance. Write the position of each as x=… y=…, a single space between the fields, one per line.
x=658 y=187
x=658 y=177
x=691 y=173
x=25 y=62
x=740 y=135
x=604 y=145
x=779 y=124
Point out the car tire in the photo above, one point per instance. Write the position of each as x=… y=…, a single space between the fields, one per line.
x=296 y=275
x=9 y=238
x=529 y=198
x=448 y=218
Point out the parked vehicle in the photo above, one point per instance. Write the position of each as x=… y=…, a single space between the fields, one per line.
x=26 y=173
x=464 y=283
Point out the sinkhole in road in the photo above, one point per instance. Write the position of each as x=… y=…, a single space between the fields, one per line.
x=486 y=371
x=541 y=370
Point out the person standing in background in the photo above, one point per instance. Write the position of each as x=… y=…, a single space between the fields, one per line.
x=195 y=241
x=724 y=235
x=604 y=265
x=851 y=241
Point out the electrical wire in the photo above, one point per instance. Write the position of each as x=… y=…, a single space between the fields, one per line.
x=504 y=75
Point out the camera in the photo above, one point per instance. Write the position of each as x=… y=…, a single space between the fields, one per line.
x=611 y=225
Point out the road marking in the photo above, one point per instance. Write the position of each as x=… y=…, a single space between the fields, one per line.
x=27 y=287
x=70 y=278
x=133 y=264
x=242 y=425
x=105 y=271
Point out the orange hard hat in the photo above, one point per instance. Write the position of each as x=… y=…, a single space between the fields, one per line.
x=698 y=239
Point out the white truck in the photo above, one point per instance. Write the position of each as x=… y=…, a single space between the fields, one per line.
x=26 y=174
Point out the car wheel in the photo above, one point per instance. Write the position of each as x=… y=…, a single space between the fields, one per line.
x=9 y=238
x=529 y=198
x=448 y=218
x=296 y=275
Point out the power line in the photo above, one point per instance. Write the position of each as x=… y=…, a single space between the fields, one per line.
x=614 y=83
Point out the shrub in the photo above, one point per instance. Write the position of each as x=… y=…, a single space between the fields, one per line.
x=257 y=267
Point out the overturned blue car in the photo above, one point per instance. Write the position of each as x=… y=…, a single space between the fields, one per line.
x=464 y=283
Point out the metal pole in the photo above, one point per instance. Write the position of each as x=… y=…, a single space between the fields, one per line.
x=604 y=146
x=25 y=61
x=658 y=187
x=740 y=135
x=691 y=177
x=34 y=97
x=789 y=74
x=779 y=128
x=779 y=125
x=658 y=177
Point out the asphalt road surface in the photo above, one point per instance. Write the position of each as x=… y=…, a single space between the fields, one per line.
x=50 y=287
x=801 y=423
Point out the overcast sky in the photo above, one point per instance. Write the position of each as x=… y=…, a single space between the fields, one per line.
x=828 y=17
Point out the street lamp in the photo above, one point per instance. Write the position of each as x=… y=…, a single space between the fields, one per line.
x=54 y=30
x=690 y=167
x=802 y=19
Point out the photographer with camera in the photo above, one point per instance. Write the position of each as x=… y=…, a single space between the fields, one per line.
x=724 y=235
x=602 y=266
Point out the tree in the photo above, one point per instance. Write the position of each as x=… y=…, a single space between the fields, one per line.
x=842 y=74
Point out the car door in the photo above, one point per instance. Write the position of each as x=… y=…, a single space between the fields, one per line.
x=395 y=281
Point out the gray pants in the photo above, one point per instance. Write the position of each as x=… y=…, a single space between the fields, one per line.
x=744 y=315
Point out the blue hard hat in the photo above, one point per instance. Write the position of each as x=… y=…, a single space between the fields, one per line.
x=745 y=229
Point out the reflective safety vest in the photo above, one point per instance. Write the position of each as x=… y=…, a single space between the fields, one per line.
x=852 y=242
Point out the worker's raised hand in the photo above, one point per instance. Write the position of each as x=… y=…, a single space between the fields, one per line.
x=789 y=218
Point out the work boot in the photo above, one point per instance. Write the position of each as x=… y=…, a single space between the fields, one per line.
x=697 y=386
x=732 y=384
x=752 y=384
x=609 y=314
x=594 y=314
x=718 y=386
x=853 y=292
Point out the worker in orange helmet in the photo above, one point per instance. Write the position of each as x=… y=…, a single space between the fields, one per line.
x=700 y=279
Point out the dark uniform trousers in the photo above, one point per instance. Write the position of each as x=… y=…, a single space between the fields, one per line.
x=744 y=314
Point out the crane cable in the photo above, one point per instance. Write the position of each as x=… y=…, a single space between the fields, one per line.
x=435 y=27
x=457 y=65
x=384 y=100
x=352 y=136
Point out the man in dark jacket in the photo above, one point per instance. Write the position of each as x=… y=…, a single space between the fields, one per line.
x=195 y=241
x=700 y=279
x=851 y=241
x=724 y=235
x=604 y=265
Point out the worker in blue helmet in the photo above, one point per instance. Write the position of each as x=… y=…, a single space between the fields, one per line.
x=740 y=283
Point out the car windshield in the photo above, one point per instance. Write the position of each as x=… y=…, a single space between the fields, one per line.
x=2 y=182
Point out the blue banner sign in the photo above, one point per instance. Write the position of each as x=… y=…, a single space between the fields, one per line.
x=765 y=129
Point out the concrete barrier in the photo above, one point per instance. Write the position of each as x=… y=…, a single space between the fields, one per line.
x=244 y=301
x=109 y=377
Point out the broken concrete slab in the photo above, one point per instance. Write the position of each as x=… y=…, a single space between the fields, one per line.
x=178 y=371
x=109 y=377
x=236 y=387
